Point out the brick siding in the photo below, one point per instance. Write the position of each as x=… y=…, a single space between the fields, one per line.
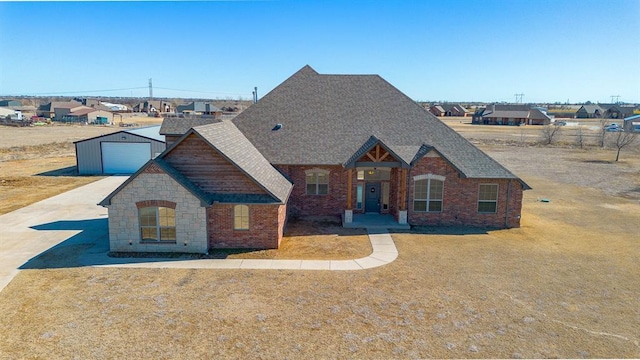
x=301 y=204
x=460 y=198
x=266 y=227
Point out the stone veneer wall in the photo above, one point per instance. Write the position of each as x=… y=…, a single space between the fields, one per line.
x=460 y=199
x=124 y=230
x=266 y=227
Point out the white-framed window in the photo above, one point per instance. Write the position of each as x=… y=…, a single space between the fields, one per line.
x=157 y=223
x=488 y=198
x=317 y=182
x=241 y=217
x=428 y=191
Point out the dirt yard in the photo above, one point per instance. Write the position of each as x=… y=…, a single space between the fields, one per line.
x=565 y=285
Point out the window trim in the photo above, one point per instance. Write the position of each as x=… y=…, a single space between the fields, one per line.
x=489 y=201
x=315 y=172
x=158 y=226
x=241 y=215
x=428 y=199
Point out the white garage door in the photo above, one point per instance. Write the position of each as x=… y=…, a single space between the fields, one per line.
x=124 y=158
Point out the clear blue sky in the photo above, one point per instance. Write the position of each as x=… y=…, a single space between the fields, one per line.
x=550 y=50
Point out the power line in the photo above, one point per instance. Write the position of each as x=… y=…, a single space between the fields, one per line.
x=200 y=91
x=149 y=87
x=87 y=91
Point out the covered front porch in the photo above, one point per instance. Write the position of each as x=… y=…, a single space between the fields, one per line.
x=377 y=179
x=374 y=221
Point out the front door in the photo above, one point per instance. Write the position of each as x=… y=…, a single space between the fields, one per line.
x=372 y=199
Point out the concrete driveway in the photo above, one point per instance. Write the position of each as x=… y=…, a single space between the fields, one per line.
x=34 y=229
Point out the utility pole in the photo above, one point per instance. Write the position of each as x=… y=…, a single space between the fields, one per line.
x=150 y=90
x=518 y=98
x=617 y=97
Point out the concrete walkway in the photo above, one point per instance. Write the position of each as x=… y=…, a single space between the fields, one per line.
x=384 y=252
x=72 y=220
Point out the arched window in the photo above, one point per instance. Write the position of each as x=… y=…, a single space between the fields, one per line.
x=157 y=223
x=428 y=191
x=241 y=217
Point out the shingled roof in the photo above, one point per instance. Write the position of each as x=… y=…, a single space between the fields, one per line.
x=174 y=125
x=228 y=141
x=327 y=118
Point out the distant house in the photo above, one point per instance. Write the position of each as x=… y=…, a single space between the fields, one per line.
x=199 y=108
x=619 y=111
x=160 y=106
x=297 y=152
x=10 y=103
x=632 y=124
x=449 y=110
x=590 y=112
x=87 y=115
x=173 y=127
x=455 y=110
x=437 y=110
x=499 y=114
x=48 y=110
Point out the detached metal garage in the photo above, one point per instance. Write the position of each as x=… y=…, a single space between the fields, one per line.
x=122 y=152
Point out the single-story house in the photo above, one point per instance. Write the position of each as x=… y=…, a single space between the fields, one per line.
x=199 y=108
x=173 y=127
x=160 y=106
x=590 y=112
x=88 y=115
x=48 y=110
x=619 y=112
x=632 y=124
x=455 y=110
x=511 y=115
x=449 y=110
x=122 y=152
x=298 y=152
x=10 y=103
x=437 y=110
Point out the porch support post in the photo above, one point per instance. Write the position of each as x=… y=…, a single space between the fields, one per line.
x=348 y=212
x=403 y=189
x=402 y=212
x=349 y=185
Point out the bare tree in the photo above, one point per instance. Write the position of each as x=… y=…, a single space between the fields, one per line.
x=580 y=137
x=522 y=136
x=549 y=132
x=602 y=132
x=622 y=140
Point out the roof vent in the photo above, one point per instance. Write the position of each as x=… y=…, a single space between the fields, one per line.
x=277 y=127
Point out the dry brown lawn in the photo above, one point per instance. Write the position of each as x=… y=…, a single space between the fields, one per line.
x=39 y=162
x=315 y=240
x=24 y=182
x=565 y=284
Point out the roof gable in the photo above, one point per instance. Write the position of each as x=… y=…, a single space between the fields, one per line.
x=224 y=154
x=370 y=144
x=155 y=165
